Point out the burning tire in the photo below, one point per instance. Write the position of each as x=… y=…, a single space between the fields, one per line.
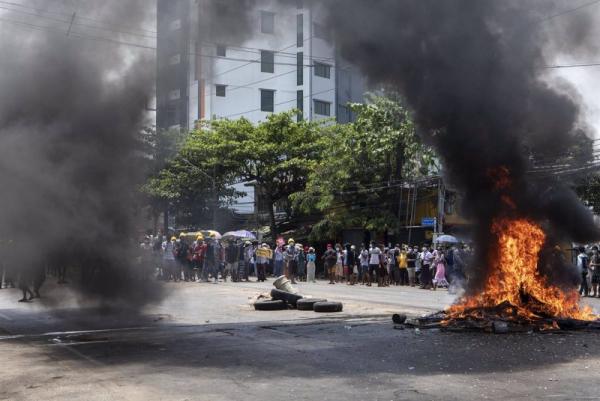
x=270 y=305
x=287 y=297
x=328 y=307
x=308 y=303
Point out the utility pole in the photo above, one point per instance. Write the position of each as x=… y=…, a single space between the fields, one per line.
x=214 y=189
x=441 y=205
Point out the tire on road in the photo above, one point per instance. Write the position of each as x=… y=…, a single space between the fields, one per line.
x=326 y=307
x=308 y=303
x=287 y=297
x=270 y=305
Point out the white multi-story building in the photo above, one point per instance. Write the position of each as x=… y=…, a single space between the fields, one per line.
x=284 y=60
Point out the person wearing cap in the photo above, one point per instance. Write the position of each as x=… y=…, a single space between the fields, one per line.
x=278 y=261
x=168 y=257
x=291 y=261
x=212 y=258
x=311 y=267
x=263 y=255
x=330 y=258
x=301 y=262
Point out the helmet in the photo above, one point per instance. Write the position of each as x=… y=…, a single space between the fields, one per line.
x=213 y=235
x=291 y=241
x=181 y=235
x=199 y=238
x=173 y=238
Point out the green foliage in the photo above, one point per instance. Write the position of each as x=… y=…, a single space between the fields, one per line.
x=589 y=192
x=356 y=182
x=276 y=154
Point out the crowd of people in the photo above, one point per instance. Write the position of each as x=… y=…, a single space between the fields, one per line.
x=588 y=264
x=211 y=259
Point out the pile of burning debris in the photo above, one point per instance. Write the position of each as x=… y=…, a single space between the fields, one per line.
x=516 y=297
x=284 y=297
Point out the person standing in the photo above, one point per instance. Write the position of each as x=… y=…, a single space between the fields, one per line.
x=279 y=261
x=418 y=265
x=168 y=256
x=330 y=259
x=363 y=272
x=231 y=261
x=425 y=279
x=311 y=265
x=374 y=262
x=583 y=266
x=440 y=271
x=352 y=263
x=595 y=270
x=411 y=259
x=403 y=266
x=212 y=258
x=301 y=262
x=263 y=255
x=339 y=264
x=291 y=261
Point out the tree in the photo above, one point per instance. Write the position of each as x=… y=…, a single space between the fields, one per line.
x=356 y=183
x=157 y=148
x=277 y=155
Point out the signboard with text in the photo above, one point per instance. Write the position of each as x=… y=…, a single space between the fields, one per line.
x=428 y=222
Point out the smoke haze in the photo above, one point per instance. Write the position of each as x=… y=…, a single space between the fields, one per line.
x=70 y=112
x=473 y=72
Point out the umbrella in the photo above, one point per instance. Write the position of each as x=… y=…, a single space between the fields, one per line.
x=209 y=233
x=241 y=234
x=447 y=239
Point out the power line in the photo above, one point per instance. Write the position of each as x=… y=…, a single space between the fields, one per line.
x=583 y=65
x=73 y=22
x=550 y=17
x=68 y=15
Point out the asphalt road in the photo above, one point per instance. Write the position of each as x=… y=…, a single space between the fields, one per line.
x=205 y=342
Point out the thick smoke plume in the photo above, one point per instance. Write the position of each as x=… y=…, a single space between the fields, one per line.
x=71 y=109
x=473 y=72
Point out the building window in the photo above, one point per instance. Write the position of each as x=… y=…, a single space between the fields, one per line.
x=321 y=32
x=267 y=61
x=267 y=100
x=175 y=25
x=323 y=70
x=221 y=90
x=322 y=108
x=175 y=94
x=174 y=60
x=300 y=66
x=267 y=22
x=171 y=117
x=221 y=51
x=300 y=104
x=300 y=30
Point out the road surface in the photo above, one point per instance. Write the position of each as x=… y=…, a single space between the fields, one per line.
x=205 y=342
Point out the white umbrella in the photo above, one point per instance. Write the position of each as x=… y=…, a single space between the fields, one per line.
x=446 y=239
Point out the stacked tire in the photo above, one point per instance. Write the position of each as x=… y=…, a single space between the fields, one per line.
x=284 y=300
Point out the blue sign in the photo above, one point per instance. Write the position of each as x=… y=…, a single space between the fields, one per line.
x=428 y=221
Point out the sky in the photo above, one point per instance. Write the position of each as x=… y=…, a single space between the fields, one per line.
x=584 y=79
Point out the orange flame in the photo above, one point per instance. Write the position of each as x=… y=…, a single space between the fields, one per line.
x=515 y=285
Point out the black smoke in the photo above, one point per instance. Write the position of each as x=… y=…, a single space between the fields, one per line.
x=474 y=74
x=72 y=104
